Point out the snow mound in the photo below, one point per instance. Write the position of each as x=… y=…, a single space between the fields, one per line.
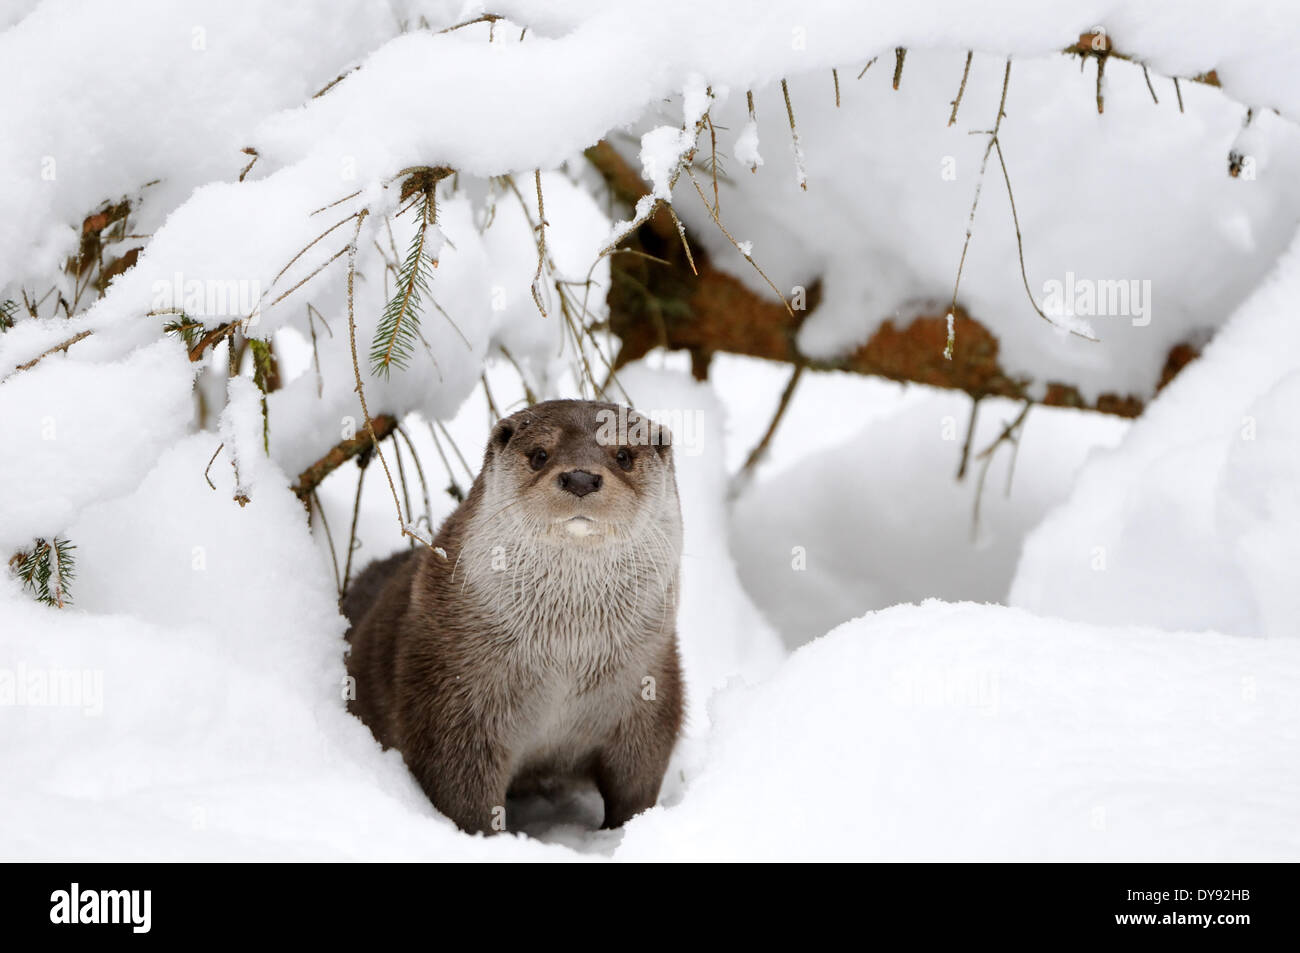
x=1192 y=521
x=879 y=518
x=963 y=732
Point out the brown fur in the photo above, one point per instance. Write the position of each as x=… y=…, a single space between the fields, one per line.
x=523 y=656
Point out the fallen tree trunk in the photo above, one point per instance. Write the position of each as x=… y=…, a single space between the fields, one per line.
x=656 y=299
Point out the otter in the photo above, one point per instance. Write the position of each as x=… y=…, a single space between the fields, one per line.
x=534 y=643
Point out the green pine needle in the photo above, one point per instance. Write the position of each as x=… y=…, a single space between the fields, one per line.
x=187 y=328
x=399 y=328
x=48 y=570
x=7 y=311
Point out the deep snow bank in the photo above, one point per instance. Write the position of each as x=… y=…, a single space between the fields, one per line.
x=1193 y=521
x=946 y=731
x=879 y=518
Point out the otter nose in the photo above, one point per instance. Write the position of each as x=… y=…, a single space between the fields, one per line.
x=579 y=482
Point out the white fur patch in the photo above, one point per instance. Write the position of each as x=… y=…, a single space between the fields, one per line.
x=579 y=526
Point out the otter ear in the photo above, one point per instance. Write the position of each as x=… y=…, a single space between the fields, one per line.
x=663 y=440
x=501 y=434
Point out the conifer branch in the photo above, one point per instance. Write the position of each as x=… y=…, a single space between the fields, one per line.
x=399 y=327
x=47 y=570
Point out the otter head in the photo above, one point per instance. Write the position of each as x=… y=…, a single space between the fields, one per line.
x=581 y=473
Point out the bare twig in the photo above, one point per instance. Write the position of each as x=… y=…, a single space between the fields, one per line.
x=794 y=137
x=324 y=208
x=748 y=257
x=760 y=449
x=356 y=370
x=899 y=54
x=979 y=185
x=208 y=468
x=1151 y=89
x=352 y=533
x=961 y=90
x=713 y=158
x=523 y=379
x=868 y=66
x=308 y=246
x=329 y=538
x=456 y=490
x=424 y=485
x=54 y=350
x=681 y=232
x=1101 y=70
x=970 y=436
x=250 y=151
x=491 y=18
x=1010 y=433
x=1020 y=245
x=995 y=144
x=541 y=242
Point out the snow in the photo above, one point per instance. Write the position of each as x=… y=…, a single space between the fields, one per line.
x=185 y=88
x=967 y=732
x=746 y=148
x=1192 y=520
x=78 y=451
x=852 y=557
x=1109 y=671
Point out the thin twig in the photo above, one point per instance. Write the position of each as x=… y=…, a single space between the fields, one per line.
x=867 y=67
x=979 y=185
x=329 y=538
x=492 y=404
x=308 y=246
x=970 y=436
x=54 y=350
x=456 y=449
x=541 y=242
x=209 y=466
x=713 y=161
x=352 y=533
x=456 y=491
x=356 y=369
x=485 y=18
x=794 y=137
x=760 y=449
x=324 y=208
x=835 y=76
x=1020 y=246
x=424 y=484
x=899 y=54
x=1179 y=91
x=528 y=391
x=250 y=151
x=961 y=90
x=333 y=258
x=748 y=257
x=1101 y=69
x=681 y=232
x=1009 y=433
x=401 y=479
x=1151 y=89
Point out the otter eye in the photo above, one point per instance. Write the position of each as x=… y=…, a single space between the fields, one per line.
x=624 y=459
x=537 y=459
